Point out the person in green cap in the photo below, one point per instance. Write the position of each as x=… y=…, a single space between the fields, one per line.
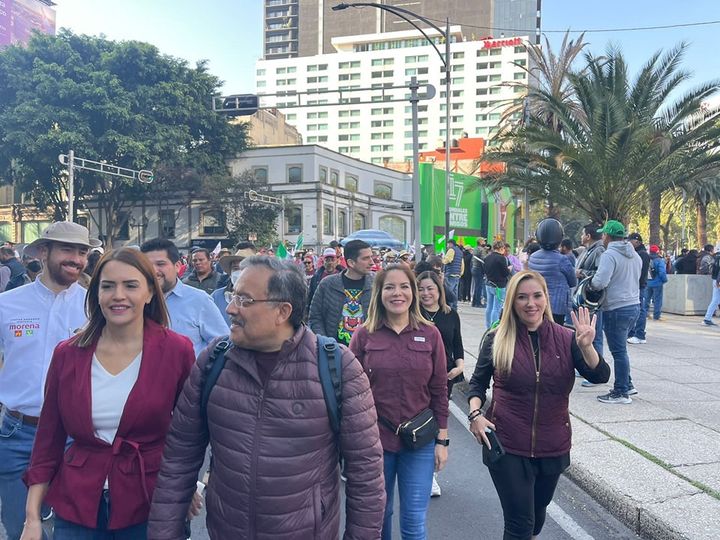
x=619 y=275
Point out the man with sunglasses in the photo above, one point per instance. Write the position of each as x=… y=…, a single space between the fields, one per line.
x=275 y=469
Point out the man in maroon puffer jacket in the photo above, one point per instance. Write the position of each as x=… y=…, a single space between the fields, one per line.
x=275 y=462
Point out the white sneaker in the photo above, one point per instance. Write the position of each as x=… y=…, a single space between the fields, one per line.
x=636 y=341
x=435 y=491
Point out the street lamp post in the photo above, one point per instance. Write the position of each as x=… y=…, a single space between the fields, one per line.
x=403 y=14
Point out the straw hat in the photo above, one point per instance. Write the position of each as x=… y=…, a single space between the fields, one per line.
x=227 y=260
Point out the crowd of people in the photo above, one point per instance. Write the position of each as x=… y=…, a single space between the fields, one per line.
x=121 y=366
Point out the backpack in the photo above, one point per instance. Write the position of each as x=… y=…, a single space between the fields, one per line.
x=715 y=272
x=329 y=369
x=17 y=281
x=652 y=269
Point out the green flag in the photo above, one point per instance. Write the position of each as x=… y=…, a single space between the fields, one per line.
x=299 y=242
x=281 y=252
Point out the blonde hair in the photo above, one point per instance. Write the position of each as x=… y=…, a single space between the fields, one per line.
x=506 y=333
x=377 y=314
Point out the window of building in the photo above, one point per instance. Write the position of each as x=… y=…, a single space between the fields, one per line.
x=494 y=116
x=458 y=67
x=212 y=222
x=334 y=177
x=481 y=91
x=323 y=175
x=167 y=223
x=458 y=80
x=349 y=112
x=482 y=65
x=518 y=89
x=122 y=224
x=260 y=174
x=291 y=117
x=383 y=62
x=349 y=65
x=6 y=229
x=281 y=71
x=30 y=230
x=261 y=84
x=393 y=225
x=293 y=219
x=342 y=223
x=349 y=125
x=382 y=190
x=520 y=76
x=519 y=50
x=481 y=117
x=482 y=52
x=321 y=114
x=260 y=72
x=381 y=74
x=495 y=65
x=349 y=77
x=349 y=137
x=351 y=182
x=294 y=174
x=481 y=78
x=494 y=78
x=495 y=90
x=360 y=220
x=521 y=62
x=328 y=220
x=458 y=55
x=495 y=52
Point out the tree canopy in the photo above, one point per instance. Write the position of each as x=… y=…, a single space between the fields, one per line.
x=608 y=140
x=120 y=102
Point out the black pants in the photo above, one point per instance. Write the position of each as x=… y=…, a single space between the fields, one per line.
x=524 y=495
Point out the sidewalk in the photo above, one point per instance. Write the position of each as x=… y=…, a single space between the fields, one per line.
x=655 y=463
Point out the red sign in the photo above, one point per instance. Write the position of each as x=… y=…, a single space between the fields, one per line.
x=493 y=43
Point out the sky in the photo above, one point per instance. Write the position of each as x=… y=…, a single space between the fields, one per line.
x=228 y=33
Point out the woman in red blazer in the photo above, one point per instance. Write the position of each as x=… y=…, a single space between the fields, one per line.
x=111 y=389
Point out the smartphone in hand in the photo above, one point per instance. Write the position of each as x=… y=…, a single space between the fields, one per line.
x=496 y=450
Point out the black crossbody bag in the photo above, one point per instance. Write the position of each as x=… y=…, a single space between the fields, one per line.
x=416 y=432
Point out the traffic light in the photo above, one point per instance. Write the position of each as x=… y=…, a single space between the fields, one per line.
x=237 y=105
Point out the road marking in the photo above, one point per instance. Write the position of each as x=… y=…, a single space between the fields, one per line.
x=559 y=516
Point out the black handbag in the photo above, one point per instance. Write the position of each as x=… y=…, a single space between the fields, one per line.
x=416 y=432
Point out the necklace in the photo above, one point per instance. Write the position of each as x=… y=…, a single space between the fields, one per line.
x=430 y=317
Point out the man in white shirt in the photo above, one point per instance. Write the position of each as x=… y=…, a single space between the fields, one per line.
x=34 y=318
x=192 y=312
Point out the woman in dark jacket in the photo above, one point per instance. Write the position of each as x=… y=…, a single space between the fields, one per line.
x=434 y=308
x=111 y=389
x=531 y=360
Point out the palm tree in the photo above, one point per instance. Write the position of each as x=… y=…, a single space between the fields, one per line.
x=614 y=140
x=703 y=191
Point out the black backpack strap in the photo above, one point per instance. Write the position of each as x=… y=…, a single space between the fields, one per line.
x=213 y=368
x=330 y=371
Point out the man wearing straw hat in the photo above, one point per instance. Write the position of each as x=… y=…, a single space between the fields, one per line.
x=34 y=318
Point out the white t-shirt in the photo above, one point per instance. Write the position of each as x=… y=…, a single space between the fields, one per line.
x=109 y=395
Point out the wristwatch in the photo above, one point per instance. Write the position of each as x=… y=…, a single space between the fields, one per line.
x=443 y=442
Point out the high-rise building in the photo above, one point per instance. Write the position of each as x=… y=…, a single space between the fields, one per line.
x=307 y=27
x=19 y=18
x=366 y=125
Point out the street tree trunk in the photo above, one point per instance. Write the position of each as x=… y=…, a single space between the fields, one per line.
x=655 y=210
x=701 y=222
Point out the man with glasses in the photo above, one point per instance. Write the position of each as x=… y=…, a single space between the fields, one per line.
x=192 y=311
x=275 y=472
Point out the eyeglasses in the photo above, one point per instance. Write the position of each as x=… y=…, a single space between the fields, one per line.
x=308 y=262
x=246 y=301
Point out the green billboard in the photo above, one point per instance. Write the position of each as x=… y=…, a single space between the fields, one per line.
x=474 y=210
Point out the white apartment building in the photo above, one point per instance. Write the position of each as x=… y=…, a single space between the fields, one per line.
x=380 y=131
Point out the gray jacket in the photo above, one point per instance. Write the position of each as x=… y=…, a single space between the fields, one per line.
x=588 y=261
x=619 y=274
x=328 y=302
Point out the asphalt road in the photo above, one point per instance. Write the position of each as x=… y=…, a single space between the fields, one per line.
x=469 y=507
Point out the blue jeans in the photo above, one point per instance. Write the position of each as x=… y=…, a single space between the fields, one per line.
x=616 y=324
x=714 y=302
x=495 y=301
x=479 y=288
x=654 y=294
x=454 y=283
x=414 y=472
x=638 y=329
x=598 y=341
x=16 y=440
x=66 y=530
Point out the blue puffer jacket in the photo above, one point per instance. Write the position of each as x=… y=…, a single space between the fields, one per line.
x=559 y=274
x=657 y=268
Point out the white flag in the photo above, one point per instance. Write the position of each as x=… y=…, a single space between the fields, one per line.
x=215 y=252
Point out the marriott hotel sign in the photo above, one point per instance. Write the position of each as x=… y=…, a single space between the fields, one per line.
x=493 y=43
